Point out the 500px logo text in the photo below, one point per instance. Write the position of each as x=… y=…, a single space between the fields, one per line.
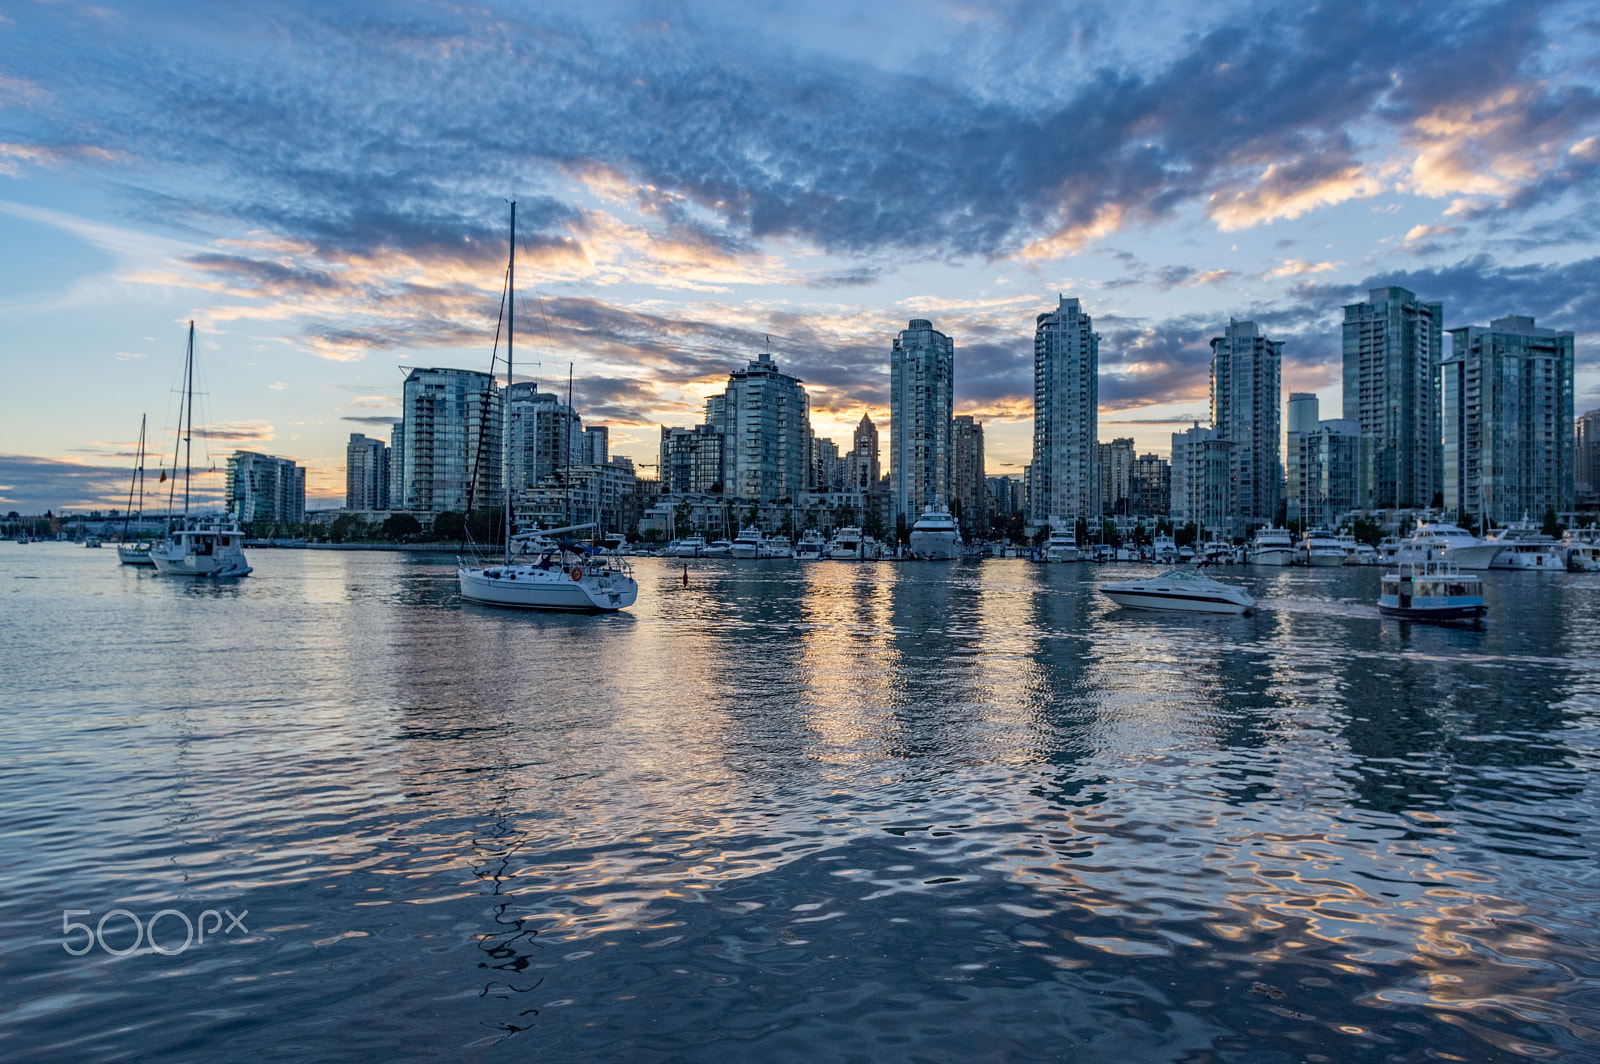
x=146 y=933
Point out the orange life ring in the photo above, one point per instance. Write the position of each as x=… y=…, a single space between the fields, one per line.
x=577 y=572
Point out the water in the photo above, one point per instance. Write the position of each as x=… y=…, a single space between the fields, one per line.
x=794 y=811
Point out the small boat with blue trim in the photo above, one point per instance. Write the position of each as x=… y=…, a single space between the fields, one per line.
x=1431 y=591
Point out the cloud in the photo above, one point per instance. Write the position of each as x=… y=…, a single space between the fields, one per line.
x=1423 y=232
x=30 y=485
x=1296 y=267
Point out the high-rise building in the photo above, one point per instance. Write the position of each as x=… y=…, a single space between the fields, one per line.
x=1508 y=425
x=1065 y=480
x=397 y=465
x=452 y=450
x=921 y=402
x=546 y=437
x=766 y=417
x=1392 y=351
x=596 y=445
x=1005 y=495
x=1151 y=486
x=827 y=468
x=1586 y=457
x=1246 y=368
x=1116 y=476
x=366 y=473
x=1202 y=491
x=691 y=459
x=967 y=482
x=1324 y=465
x=262 y=487
x=861 y=472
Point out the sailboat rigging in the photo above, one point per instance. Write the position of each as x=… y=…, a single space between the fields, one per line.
x=565 y=576
x=135 y=553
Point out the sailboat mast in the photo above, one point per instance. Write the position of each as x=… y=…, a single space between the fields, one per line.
x=177 y=439
x=136 y=480
x=511 y=334
x=567 y=480
x=188 y=429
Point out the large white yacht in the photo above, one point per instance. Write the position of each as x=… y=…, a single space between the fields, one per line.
x=1523 y=546
x=1063 y=543
x=935 y=537
x=847 y=545
x=776 y=547
x=1179 y=589
x=748 y=543
x=1582 y=550
x=202 y=547
x=1271 y=546
x=1444 y=542
x=1319 y=548
x=811 y=545
x=1163 y=549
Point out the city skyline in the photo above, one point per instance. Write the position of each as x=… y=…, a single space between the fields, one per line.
x=317 y=257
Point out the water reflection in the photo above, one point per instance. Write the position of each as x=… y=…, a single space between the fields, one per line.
x=889 y=811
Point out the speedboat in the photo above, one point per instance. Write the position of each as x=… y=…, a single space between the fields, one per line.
x=1063 y=543
x=747 y=544
x=1184 y=590
x=1319 y=549
x=1271 y=546
x=1431 y=591
x=1525 y=547
x=811 y=545
x=935 y=537
x=1442 y=541
x=202 y=547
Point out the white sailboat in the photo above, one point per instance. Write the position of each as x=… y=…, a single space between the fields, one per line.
x=200 y=546
x=565 y=576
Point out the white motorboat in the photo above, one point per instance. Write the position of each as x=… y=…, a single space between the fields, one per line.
x=1163 y=549
x=1581 y=549
x=198 y=546
x=776 y=547
x=1440 y=541
x=722 y=548
x=747 y=544
x=202 y=547
x=1525 y=547
x=811 y=545
x=1271 y=546
x=847 y=545
x=135 y=554
x=1185 y=590
x=1217 y=552
x=688 y=547
x=1062 y=546
x=1320 y=549
x=1431 y=591
x=935 y=537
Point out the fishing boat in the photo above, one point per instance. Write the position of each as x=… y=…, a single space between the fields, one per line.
x=135 y=553
x=1181 y=590
x=1431 y=591
x=198 y=546
x=565 y=575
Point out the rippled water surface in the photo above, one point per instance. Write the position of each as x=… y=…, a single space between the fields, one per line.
x=793 y=811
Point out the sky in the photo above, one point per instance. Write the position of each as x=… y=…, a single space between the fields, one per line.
x=322 y=189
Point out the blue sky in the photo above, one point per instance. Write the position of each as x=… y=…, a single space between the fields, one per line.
x=322 y=188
